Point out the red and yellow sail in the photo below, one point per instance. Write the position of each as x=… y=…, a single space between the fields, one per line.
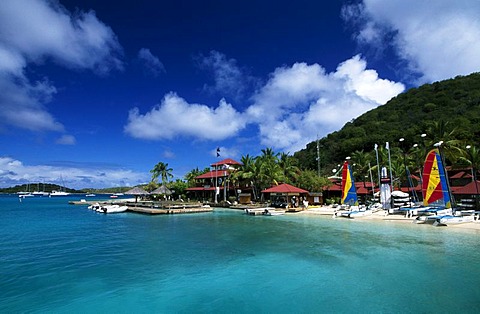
x=349 y=193
x=434 y=185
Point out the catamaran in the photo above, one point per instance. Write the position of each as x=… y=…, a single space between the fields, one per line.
x=437 y=199
x=349 y=196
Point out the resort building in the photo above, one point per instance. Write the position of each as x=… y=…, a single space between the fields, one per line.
x=215 y=186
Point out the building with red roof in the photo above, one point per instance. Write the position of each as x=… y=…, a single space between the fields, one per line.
x=218 y=178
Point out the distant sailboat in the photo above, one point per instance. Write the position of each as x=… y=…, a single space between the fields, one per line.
x=62 y=191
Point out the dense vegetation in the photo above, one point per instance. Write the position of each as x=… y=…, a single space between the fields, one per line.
x=453 y=105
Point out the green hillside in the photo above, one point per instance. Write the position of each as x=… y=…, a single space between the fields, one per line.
x=455 y=102
x=47 y=187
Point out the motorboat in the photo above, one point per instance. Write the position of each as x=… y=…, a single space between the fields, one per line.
x=58 y=193
x=108 y=209
x=273 y=211
x=453 y=220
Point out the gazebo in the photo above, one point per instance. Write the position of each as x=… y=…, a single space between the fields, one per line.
x=136 y=191
x=162 y=190
x=286 y=195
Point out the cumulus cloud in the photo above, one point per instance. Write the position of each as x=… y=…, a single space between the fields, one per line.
x=295 y=105
x=437 y=39
x=176 y=117
x=303 y=101
x=150 y=62
x=13 y=172
x=47 y=32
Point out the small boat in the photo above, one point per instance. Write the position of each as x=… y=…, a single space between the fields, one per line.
x=453 y=220
x=436 y=191
x=349 y=196
x=59 y=193
x=273 y=211
x=257 y=210
x=90 y=195
x=108 y=209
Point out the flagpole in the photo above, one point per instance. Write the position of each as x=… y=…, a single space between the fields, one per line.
x=387 y=146
x=378 y=165
x=216 y=174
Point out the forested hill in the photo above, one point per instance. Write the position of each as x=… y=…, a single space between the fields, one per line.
x=455 y=101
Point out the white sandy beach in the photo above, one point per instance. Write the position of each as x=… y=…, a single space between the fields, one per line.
x=380 y=216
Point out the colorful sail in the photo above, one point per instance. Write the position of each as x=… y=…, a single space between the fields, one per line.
x=434 y=186
x=349 y=193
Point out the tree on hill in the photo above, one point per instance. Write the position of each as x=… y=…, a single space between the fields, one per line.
x=453 y=105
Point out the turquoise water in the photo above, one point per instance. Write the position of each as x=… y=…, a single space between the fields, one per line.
x=61 y=258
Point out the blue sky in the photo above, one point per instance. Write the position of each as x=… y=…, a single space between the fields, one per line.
x=95 y=93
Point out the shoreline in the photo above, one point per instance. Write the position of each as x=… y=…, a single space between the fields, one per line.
x=396 y=219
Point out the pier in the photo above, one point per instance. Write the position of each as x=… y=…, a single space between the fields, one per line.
x=151 y=208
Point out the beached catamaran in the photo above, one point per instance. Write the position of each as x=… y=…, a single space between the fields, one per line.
x=349 y=192
x=436 y=194
x=349 y=195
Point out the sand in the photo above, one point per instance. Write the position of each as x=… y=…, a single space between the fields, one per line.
x=380 y=216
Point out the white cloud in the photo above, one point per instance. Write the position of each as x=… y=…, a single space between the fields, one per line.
x=176 y=117
x=303 y=101
x=296 y=105
x=150 y=62
x=37 y=31
x=66 y=140
x=13 y=172
x=438 y=39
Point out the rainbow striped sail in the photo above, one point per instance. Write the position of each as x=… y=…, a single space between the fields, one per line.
x=349 y=193
x=434 y=186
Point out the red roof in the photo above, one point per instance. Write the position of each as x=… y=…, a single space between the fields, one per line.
x=211 y=174
x=227 y=161
x=284 y=188
x=201 y=188
x=471 y=188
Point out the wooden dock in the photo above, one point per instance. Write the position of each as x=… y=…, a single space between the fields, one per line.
x=167 y=211
x=151 y=208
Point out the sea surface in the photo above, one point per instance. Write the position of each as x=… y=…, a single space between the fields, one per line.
x=61 y=258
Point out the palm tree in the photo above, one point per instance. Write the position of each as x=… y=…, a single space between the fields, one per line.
x=442 y=132
x=289 y=167
x=192 y=174
x=161 y=170
x=362 y=163
x=247 y=174
x=269 y=169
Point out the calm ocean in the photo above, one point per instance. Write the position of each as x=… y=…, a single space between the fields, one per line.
x=62 y=258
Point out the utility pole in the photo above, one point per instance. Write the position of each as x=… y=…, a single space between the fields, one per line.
x=318 y=156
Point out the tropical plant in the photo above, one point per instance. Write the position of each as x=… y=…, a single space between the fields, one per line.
x=162 y=171
x=289 y=168
x=193 y=174
x=310 y=181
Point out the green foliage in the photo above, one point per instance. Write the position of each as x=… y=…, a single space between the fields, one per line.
x=425 y=109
